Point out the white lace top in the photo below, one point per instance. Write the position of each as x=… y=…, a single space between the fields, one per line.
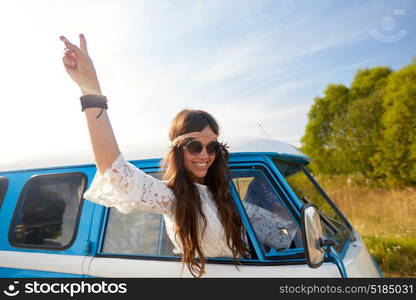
x=126 y=187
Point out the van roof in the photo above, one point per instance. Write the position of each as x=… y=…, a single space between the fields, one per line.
x=143 y=150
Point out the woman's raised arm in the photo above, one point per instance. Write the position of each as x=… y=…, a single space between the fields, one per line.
x=80 y=68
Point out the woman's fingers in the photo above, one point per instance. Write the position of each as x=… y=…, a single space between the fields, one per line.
x=69 y=53
x=83 y=43
x=70 y=46
x=69 y=62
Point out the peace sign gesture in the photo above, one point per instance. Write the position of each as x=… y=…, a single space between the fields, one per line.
x=79 y=66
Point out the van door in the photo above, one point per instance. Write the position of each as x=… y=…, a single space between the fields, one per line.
x=45 y=224
x=136 y=244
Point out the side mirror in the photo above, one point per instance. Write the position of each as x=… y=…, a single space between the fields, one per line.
x=312 y=236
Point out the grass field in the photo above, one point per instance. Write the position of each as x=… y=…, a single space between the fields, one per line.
x=385 y=218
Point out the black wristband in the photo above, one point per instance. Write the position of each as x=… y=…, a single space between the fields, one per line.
x=88 y=101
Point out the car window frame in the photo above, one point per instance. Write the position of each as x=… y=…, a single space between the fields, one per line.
x=4 y=191
x=351 y=236
x=19 y=204
x=149 y=167
x=292 y=253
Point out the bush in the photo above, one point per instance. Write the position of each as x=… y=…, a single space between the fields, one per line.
x=395 y=256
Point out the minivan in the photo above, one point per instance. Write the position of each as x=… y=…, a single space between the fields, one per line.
x=49 y=230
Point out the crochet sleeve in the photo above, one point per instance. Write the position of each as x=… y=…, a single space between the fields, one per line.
x=270 y=228
x=126 y=187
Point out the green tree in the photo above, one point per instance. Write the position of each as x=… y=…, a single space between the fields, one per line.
x=343 y=132
x=397 y=158
x=369 y=128
x=367 y=81
x=318 y=139
x=361 y=128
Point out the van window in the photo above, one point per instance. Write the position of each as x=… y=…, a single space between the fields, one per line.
x=143 y=233
x=307 y=191
x=274 y=226
x=140 y=233
x=3 y=188
x=48 y=211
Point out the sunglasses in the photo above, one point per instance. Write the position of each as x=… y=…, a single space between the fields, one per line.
x=194 y=147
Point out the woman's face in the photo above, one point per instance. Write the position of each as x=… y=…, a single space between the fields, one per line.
x=197 y=165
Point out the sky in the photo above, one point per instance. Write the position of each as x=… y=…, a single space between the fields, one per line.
x=256 y=66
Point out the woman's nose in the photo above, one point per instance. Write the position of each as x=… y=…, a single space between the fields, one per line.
x=204 y=152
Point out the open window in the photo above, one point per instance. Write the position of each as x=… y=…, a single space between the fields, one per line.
x=335 y=225
x=274 y=226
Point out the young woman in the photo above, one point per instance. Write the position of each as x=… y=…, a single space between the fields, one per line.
x=200 y=216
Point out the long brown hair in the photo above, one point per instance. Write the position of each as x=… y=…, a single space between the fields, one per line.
x=189 y=216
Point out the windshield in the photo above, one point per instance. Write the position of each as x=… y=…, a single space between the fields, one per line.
x=308 y=191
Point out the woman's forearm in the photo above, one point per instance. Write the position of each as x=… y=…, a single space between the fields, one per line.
x=103 y=141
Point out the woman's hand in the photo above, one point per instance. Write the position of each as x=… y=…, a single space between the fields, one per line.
x=79 y=66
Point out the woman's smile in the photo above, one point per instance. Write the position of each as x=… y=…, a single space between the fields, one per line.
x=201 y=165
x=198 y=165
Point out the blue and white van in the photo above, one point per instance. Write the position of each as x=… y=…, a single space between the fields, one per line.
x=49 y=230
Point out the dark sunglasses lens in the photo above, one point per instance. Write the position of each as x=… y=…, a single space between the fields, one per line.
x=213 y=148
x=194 y=147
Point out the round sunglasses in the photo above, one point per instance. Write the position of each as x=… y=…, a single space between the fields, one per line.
x=194 y=147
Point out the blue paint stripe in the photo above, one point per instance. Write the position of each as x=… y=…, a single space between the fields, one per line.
x=26 y=273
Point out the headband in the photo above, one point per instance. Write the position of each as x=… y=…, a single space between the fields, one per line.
x=195 y=134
